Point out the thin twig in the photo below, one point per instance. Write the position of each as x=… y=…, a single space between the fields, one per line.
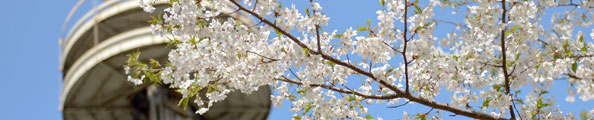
x=405 y=44
x=346 y=91
x=396 y=106
x=514 y=103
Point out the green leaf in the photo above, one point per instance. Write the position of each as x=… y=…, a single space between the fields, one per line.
x=307 y=11
x=154 y=63
x=421 y=116
x=279 y=7
x=368 y=116
x=210 y=89
x=557 y=56
x=154 y=20
x=512 y=30
x=585 y=115
x=540 y=104
x=389 y=71
x=239 y=22
x=424 y=26
x=330 y=63
x=368 y=21
x=173 y=41
x=359 y=106
x=518 y=56
x=351 y=98
x=172 y=1
x=362 y=29
x=278 y=33
x=574 y=66
x=498 y=87
x=565 y=45
x=133 y=57
x=297 y=117
x=486 y=102
x=519 y=101
x=542 y=93
x=184 y=102
x=417 y=9
x=308 y=107
x=306 y=51
x=337 y=36
x=382 y=2
x=157 y=78
x=584 y=48
x=518 y=92
x=202 y=23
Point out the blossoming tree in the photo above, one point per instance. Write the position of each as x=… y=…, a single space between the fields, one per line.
x=499 y=48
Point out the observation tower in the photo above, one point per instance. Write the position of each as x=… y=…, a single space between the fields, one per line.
x=93 y=52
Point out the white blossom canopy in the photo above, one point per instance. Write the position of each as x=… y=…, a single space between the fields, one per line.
x=499 y=48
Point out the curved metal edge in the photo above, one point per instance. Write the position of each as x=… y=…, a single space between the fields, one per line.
x=74 y=9
x=132 y=39
x=88 y=24
x=79 y=30
x=76 y=25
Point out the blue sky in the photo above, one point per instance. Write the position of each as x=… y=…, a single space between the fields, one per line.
x=31 y=80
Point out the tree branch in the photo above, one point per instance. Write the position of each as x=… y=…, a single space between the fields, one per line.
x=405 y=43
x=571 y=4
x=317 y=30
x=285 y=79
x=504 y=59
x=396 y=106
x=399 y=93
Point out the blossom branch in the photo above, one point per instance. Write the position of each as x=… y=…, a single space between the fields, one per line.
x=317 y=29
x=405 y=43
x=504 y=58
x=391 y=47
x=572 y=5
x=399 y=92
x=272 y=59
x=396 y=106
x=341 y=90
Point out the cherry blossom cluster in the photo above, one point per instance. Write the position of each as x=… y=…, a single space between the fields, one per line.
x=500 y=47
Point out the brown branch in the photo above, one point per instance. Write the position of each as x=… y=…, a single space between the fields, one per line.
x=317 y=29
x=513 y=103
x=399 y=93
x=492 y=65
x=272 y=59
x=318 y=37
x=405 y=44
x=285 y=79
x=391 y=47
x=504 y=59
x=449 y=22
x=580 y=56
x=571 y=5
x=396 y=106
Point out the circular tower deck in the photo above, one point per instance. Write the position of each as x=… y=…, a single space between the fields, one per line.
x=95 y=86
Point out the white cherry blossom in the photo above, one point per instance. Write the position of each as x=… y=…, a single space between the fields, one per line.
x=497 y=49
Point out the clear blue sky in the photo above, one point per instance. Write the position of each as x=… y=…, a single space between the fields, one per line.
x=31 y=80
